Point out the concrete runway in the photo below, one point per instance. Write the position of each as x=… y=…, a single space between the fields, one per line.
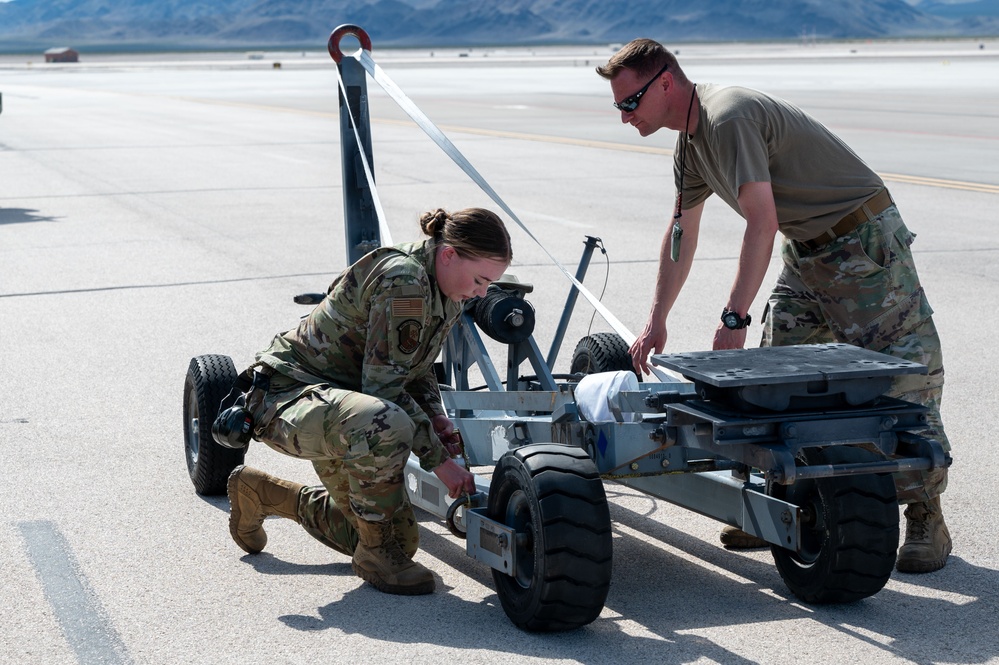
x=153 y=210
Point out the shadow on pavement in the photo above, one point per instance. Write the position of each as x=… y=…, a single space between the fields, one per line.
x=666 y=604
x=22 y=216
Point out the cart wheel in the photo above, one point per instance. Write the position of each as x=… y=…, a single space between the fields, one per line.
x=553 y=497
x=209 y=379
x=849 y=534
x=600 y=352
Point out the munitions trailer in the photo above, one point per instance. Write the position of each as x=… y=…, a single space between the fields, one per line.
x=795 y=445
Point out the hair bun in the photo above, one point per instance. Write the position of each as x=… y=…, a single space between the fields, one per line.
x=432 y=222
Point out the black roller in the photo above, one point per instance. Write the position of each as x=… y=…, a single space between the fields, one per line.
x=505 y=316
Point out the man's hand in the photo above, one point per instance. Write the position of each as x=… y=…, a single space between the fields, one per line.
x=457 y=479
x=726 y=338
x=652 y=340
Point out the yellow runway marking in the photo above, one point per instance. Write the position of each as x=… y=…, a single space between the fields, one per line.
x=939 y=182
x=544 y=138
x=627 y=147
x=983 y=188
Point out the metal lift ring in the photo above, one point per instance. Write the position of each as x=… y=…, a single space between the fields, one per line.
x=339 y=33
x=458 y=526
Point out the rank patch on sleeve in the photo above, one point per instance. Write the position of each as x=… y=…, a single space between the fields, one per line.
x=409 y=336
x=407 y=307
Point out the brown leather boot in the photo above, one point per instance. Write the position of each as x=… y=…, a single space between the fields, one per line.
x=380 y=560
x=734 y=538
x=927 y=540
x=253 y=495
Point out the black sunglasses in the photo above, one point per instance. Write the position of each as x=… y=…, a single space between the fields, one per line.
x=631 y=103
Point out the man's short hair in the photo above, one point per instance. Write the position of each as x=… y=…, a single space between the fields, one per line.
x=643 y=56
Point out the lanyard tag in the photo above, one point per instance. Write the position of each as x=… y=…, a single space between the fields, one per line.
x=674 y=251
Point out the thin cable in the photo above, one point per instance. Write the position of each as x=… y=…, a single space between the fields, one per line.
x=603 y=289
x=414 y=112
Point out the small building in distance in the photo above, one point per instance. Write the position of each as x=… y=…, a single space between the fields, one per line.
x=62 y=54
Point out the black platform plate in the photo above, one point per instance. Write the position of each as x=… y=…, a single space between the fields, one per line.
x=790 y=377
x=784 y=364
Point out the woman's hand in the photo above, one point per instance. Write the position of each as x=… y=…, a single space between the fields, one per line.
x=445 y=431
x=457 y=478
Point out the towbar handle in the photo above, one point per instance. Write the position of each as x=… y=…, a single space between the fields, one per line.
x=862 y=468
x=342 y=31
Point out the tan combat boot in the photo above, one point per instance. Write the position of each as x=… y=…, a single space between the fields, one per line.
x=380 y=560
x=734 y=538
x=253 y=495
x=927 y=540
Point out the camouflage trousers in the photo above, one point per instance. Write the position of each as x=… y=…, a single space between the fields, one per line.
x=862 y=289
x=358 y=445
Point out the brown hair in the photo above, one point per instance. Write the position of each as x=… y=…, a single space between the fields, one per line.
x=475 y=233
x=645 y=57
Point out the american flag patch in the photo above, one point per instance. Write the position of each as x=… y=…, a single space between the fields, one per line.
x=407 y=307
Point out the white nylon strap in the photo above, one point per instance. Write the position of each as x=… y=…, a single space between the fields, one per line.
x=383 y=229
x=407 y=105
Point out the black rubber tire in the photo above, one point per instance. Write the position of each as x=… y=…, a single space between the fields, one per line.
x=553 y=496
x=848 y=550
x=209 y=379
x=600 y=352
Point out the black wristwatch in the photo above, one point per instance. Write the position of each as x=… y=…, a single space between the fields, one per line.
x=733 y=321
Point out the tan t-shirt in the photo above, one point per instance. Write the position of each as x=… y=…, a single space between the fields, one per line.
x=745 y=136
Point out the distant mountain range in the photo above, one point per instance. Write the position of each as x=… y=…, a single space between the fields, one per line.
x=29 y=25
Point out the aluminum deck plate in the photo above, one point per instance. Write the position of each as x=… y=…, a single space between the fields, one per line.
x=785 y=364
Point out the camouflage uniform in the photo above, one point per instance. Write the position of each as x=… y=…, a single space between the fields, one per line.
x=354 y=392
x=862 y=289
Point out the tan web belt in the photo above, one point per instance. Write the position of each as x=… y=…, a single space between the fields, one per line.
x=872 y=207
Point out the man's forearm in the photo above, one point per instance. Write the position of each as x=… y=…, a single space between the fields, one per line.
x=756 y=201
x=673 y=274
x=754 y=260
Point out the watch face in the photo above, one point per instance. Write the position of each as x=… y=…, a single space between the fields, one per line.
x=730 y=321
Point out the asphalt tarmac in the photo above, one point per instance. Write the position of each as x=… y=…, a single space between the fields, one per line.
x=157 y=208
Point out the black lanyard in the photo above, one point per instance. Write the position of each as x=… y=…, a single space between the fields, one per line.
x=677 y=230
